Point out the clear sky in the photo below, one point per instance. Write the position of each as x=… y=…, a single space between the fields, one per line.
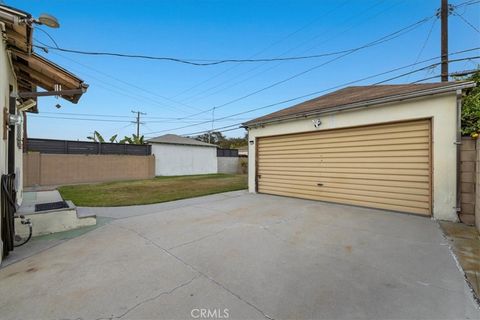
x=199 y=29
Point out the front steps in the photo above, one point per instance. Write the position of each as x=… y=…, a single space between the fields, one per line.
x=50 y=221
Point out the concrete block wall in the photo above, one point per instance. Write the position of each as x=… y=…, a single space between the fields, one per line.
x=477 y=187
x=61 y=169
x=468 y=168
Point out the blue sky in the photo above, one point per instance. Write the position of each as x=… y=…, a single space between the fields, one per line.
x=223 y=30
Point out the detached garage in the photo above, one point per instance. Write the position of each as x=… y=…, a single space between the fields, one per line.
x=390 y=147
x=176 y=155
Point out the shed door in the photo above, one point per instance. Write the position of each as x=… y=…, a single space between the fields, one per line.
x=385 y=166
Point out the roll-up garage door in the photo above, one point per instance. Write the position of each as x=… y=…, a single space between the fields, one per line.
x=385 y=166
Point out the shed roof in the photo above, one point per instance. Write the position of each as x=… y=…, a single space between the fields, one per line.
x=361 y=95
x=175 y=139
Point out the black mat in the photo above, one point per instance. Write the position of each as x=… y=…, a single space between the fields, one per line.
x=50 y=206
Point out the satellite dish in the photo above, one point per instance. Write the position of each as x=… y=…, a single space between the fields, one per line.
x=48 y=20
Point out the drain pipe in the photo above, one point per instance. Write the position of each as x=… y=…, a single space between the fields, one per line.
x=458 y=142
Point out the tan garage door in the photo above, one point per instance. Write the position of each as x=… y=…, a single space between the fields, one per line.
x=381 y=166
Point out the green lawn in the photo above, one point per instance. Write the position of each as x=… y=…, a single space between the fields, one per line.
x=159 y=189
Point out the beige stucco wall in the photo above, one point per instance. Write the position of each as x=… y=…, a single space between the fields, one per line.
x=442 y=110
x=60 y=169
x=7 y=78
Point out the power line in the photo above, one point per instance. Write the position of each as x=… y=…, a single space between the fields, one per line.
x=236 y=125
x=425 y=42
x=466 y=3
x=45 y=48
x=80 y=119
x=161 y=119
x=381 y=40
x=424 y=68
x=332 y=88
x=259 y=52
x=191 y=61
x=466 y=21
x=334 y=36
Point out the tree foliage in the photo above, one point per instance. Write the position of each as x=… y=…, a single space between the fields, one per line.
x=134 y=139
x=471 y=107
x=223 y=142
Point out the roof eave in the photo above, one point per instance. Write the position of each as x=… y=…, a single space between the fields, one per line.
x=395 y=98
x=184 y=144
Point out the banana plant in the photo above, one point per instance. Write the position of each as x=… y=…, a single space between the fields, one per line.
x=134 y=139
x=97 y=137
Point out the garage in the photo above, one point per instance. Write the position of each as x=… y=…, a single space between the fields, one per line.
x=383 y=166
x=390 y=147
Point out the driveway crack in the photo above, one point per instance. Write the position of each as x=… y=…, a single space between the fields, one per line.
x=198 y=239
x=184 y=284
x=220 y=285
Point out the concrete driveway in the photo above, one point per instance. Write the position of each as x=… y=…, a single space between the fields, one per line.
x=243 y=256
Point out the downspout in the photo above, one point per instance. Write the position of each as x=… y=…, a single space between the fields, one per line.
x=458 y=142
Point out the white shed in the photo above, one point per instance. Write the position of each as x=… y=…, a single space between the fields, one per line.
x=176 y=155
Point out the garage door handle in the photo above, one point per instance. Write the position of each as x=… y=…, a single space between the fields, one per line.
x=320 y=184
x=259 y=176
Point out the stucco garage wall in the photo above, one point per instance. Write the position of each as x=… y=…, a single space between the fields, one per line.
x=441 y=109
x=174 y=160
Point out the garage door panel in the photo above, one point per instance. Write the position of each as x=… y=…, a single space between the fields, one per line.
x=354 y=202
x=351 y=138
x=281 y=169
x=366 y=165
x=329 y=189
x=340 y=197
x=420 y=189
x=359 y=183
x=357 y=131
x=319 y=155
x=319 y=175
x=368 y=143
x=307 y=163
x=314 y=149
x=385 y=160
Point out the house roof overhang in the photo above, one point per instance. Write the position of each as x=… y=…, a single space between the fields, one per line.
x=35 y=71
x=32 y=70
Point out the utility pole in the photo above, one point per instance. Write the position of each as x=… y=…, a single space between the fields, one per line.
x=137 y=121
x=445 y=11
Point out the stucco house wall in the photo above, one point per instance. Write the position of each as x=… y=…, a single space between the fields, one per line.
x=7 y=79
x=174 y=160
x=441 y=108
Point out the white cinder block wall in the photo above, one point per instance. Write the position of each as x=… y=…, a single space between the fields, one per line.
x=440 y=108
x=175 y=160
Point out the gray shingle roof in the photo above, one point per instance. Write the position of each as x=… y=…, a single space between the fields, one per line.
x=174 y=139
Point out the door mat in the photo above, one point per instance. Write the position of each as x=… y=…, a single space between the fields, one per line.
x=50 y=206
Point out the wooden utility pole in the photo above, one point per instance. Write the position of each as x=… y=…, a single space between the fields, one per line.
x=444 y=12
x=137 y=121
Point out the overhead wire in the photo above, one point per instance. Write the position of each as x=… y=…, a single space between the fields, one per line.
x=381 y=40
x=202 y=94
x=261 y=51
x=466 y=21
x=332 y=88
x=236 y=126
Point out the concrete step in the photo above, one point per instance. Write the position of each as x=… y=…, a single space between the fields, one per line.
x=51 y=221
